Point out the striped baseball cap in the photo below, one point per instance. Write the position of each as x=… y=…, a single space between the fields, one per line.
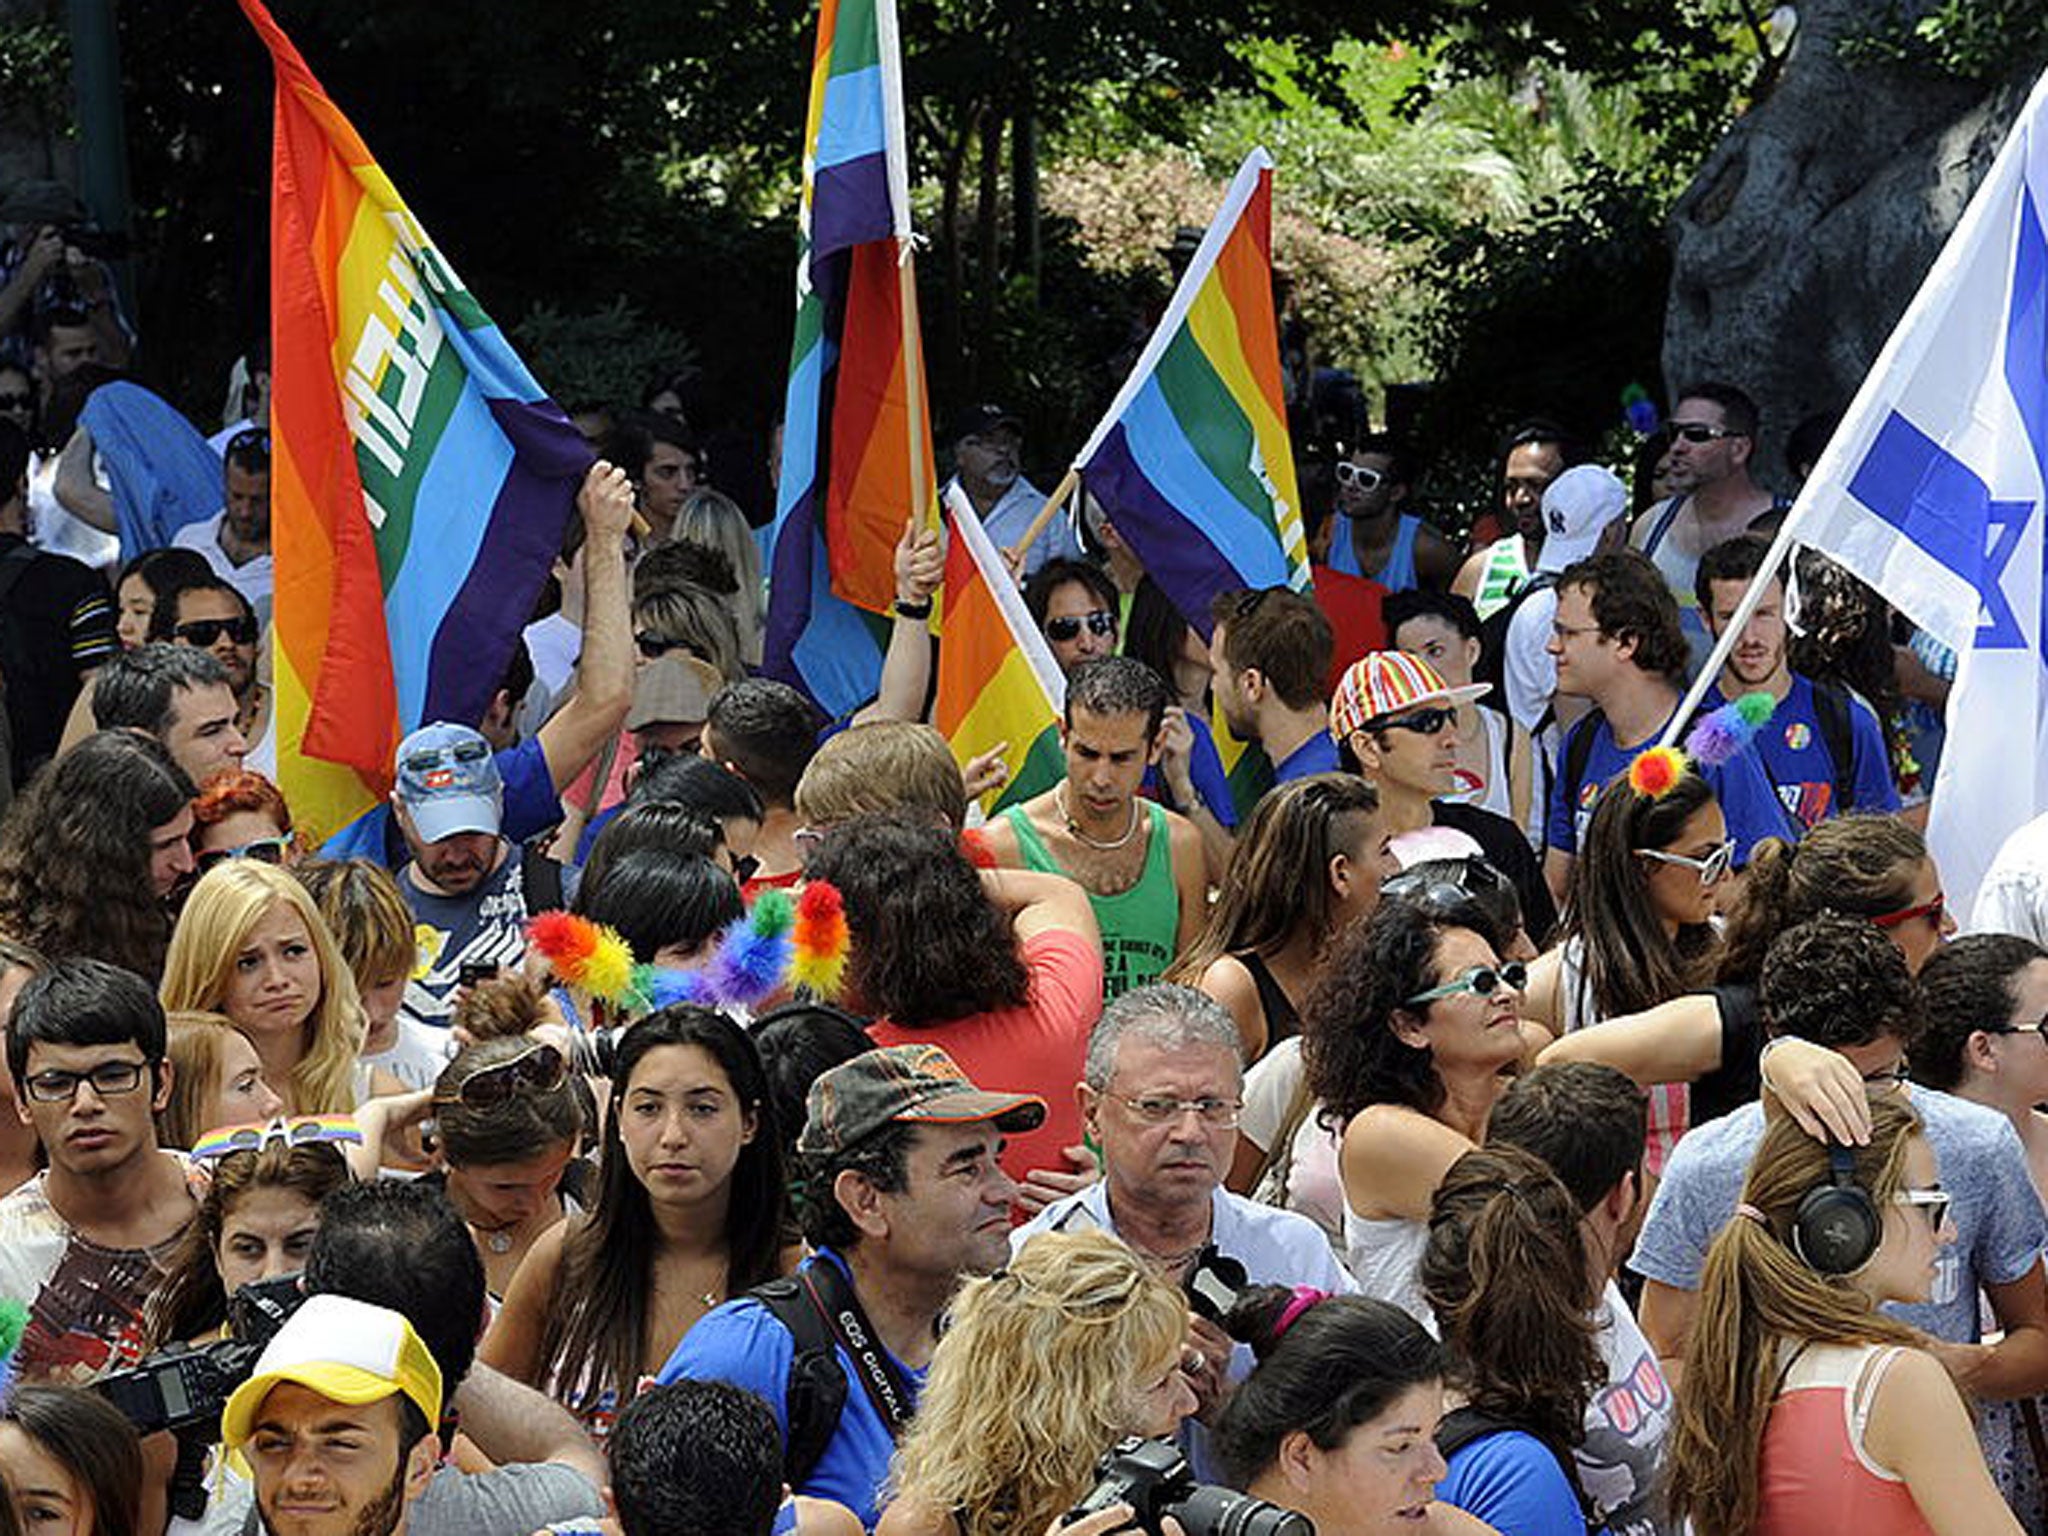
x=1387 y=683
x=904 y=1085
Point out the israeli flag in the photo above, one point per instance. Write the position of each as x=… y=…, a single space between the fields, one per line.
x=1932 y=491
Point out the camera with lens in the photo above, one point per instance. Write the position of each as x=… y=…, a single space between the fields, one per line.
x=100 y=244
x=1153 y=1478
x=185 y=1386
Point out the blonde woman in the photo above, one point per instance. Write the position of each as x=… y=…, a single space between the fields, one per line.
x=250 y=944
x=713 y=519
x=1046 y=1365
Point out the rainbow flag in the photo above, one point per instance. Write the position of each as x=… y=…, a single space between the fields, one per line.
x=420 y=479
x=1192 y=460
x=856 y=436
x=997 y=680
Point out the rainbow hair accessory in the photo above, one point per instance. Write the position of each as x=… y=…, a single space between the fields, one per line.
x=1720 y=735
x=1655 y=773
x=778 y=945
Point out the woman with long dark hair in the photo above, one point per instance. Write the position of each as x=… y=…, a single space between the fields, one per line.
x=1307 y=861
x=92 y=848
x=70 y=1464
x=1338 y=1421
x=1505 y=1272
x=1637 y=928
x=1405 y=1040
x=691 y=1209
x=1001 y=967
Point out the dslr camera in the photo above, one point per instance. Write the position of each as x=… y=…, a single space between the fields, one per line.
x=185 y=1386
x=1153 y=1478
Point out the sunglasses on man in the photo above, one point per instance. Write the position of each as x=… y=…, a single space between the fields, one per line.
x=1359 y=476
x=1697 y=432
x=1100 y=622
x=204 y=632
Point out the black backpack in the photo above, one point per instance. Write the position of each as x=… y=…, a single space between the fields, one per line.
x=1492 y=668
x=1466 y=1426
x=815 y=1394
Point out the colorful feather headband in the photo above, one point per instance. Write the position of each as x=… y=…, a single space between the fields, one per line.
x=1718 y=736
x=779 y=945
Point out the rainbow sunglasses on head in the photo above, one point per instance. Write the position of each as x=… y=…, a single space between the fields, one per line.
x=298 y=1131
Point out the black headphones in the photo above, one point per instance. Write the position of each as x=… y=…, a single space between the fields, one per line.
x=1836 y=1230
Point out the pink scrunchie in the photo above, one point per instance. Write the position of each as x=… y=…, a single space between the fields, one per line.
x=1303 y=1297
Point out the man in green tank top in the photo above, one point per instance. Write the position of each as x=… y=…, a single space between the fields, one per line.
x=1140 y=864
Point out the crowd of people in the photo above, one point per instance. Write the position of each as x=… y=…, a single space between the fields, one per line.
x=1377 y=1086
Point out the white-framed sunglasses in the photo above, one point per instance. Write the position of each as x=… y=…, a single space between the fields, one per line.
x=1712 y=869
x=1935 y=1202
x=1358 y=476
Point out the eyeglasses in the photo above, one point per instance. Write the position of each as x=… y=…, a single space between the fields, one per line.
x=537 y=1069
x=1358 y=476
x=1935 y=1202
x=298 y=1131
x=654 y=647
x=2038 y=1027
x=1423 y=722
x=1934 y=911
x=1160 y=1109
x=265 y=850
x=1101 y=622
x=1697 y=432
x=203 y=632
x=1712 y=869
x=461 y=752
x=109 y=1079
x=14 y=402
x=1481 y=980
x=1566 y=631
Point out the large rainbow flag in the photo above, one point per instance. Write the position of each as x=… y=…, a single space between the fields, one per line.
x=420 y=478
x=1192 y=460
x=997 y=678
x=856 y=436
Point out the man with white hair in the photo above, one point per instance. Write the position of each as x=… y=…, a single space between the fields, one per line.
x=1163 y=1090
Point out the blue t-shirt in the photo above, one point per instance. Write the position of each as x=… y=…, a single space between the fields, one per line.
x=1205 y=769
x=1745 y=796
x=532 y=805
x=1510 y=1481
x=1997 y=1215
x=1795 y=756
x=1316 y=755
x=740 y=1341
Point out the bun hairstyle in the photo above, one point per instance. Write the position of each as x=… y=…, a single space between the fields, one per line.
x=1327 y=1364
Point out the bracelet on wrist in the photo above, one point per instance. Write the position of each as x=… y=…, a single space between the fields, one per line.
x=909 y=610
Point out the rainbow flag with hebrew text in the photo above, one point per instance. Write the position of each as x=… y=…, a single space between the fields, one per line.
x=1192 y=461
x=420 y=479
x=997 y=680
x=856 y=439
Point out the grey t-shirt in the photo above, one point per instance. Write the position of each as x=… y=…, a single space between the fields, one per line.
x=1626 y=1425
x=509 y=1501
x=1998 y=1219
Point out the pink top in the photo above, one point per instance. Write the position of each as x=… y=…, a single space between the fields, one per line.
x=1814 y=1474
x=1038 y=1048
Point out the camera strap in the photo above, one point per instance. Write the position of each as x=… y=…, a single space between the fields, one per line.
x=872 y=1367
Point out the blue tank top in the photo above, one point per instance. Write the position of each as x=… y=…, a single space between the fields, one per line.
x=1398 y=575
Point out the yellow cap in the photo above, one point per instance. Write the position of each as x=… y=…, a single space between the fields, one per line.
x=346 y=1350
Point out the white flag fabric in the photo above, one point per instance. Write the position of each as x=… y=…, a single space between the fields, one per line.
x=1932 y=491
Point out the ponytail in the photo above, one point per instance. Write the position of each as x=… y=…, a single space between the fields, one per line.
x=1755 y=1296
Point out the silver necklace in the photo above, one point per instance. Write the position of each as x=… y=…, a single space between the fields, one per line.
x=1059 y=798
